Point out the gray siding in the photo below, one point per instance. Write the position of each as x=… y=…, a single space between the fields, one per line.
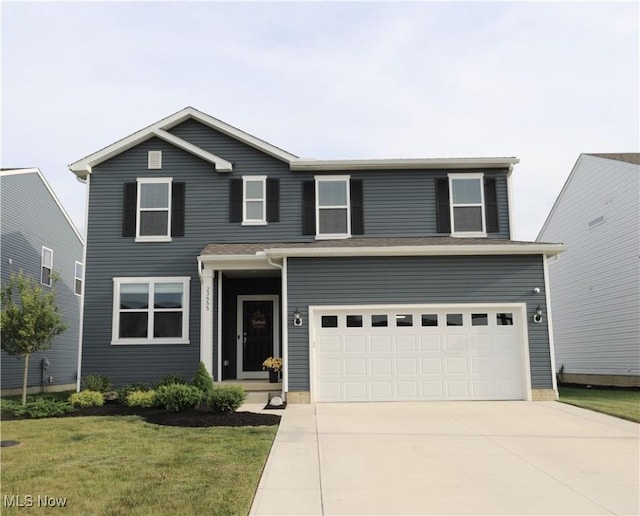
x=455 y=279
x=595 y=291
x=31 y=218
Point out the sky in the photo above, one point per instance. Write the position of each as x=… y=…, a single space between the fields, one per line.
x=541 y=81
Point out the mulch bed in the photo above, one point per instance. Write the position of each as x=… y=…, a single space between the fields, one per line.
x=191 y=418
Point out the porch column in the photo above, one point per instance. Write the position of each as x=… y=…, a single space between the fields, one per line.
x=206 y=319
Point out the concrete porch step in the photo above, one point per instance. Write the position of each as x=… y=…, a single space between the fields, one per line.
x=258 y=391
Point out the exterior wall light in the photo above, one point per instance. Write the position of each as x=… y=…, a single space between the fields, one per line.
x=537 y=317
x=297 y=318
x=536 y=290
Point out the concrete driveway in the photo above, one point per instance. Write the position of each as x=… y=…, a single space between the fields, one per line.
x=493 y=458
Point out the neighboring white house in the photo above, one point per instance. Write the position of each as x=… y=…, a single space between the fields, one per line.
x=595 y=285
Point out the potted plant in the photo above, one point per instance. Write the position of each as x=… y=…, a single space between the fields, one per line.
x=274 y=366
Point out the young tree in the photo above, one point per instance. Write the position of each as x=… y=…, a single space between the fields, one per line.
x=29 y=319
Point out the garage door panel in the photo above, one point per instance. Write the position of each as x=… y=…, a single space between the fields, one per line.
x=459 y=354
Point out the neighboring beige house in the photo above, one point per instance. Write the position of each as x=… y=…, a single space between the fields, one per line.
x=595 y=285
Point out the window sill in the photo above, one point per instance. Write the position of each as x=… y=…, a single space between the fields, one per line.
x=146 y=342
x=254 y=223
x=469 y=234
x=153 y=239
x=332 y=237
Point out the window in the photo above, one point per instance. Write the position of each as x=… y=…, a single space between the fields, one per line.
x=429 y=319
x=467 y=204
x=404 y=320
x=329 y=321
x=79 y=278
x=379 y=321
x=47 y=266
x=454 y=319
x=151 y=310
x=354 y=321
x=479 y=320
x=154 y=209
x=254 y=200
x=504 y=319
x=333 y=218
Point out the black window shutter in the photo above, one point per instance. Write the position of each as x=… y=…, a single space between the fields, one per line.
x=491 y=205
x=129 y=216
x=235 y=200
x=442 y=201
x=177 y=209
x=273 y=199
x=357 y=207
x=308 y=208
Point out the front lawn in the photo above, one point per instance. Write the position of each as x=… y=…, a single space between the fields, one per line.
x=624 y=403
x=123 y=465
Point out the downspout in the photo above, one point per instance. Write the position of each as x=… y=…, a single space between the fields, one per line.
x=285 y=323
x=87 y=181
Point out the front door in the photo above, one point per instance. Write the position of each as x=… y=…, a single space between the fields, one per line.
x=257 y=334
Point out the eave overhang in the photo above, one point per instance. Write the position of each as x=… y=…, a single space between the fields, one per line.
x=311 y=165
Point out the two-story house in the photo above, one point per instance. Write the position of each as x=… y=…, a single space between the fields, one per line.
x=392 y=279
x=39 y=239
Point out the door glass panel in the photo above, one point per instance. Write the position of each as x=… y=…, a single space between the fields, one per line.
x=329 y=321
x=479 y=319
x=404 y=320
x=258 y=333
x=379 y=321
x=354 y=321
x=454 y=319
x=429 y=319
x=504 y=319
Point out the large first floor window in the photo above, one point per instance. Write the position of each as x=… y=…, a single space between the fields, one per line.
x=151 y=310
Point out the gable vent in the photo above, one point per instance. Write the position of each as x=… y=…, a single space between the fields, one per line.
x=155 y=159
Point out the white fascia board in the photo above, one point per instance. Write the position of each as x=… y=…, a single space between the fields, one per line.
x=222 y=165
x=439 y=250
x=401 y=164
x=235 y=262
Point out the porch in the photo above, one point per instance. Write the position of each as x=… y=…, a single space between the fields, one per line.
x=258 y=391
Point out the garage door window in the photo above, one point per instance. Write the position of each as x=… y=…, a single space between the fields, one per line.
x=429 y=319
x=454 y=319
x=329 y=321
x=479 y=320
x=379 y=321
x=504 y=319
x=404 y=320
x=354 y=321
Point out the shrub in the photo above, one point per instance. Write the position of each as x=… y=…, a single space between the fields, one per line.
x=227 y=398
x=42 y=407
x=97 y=382
x=203 y=380
x=110 y=395
x=125 y=390
x=178 y=397
x=85 y=399
x=8 y=405
x=141 y=399
x=170 y=379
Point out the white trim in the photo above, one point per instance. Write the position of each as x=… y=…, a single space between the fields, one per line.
x=241 y=374
x=512 y=222
x=206 y=319
x=262 y=221
x=76 y=278
x=221 y=165
x=519 y=310
x=552 y=345
x=424 y=250
x=285 y=327
x=219 y=315
x=19 y=171
x=84 y=166
x=306 y=165
x=84 y=260
x=153 y=180
x=150 y=281
x=347 y=206
x=44 y=266
x=452 y=206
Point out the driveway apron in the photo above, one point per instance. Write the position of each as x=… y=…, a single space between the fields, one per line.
x=493 y=458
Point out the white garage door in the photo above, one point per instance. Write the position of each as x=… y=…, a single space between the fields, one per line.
x=419 y=353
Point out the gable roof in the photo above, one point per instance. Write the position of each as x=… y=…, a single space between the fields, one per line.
x=16 y=171
x=627 y=157
x=161 y=129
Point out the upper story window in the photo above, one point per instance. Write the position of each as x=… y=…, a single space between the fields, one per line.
x=46 y=267
x=78 y=278
x=254 y=205
x=151 y=310
x=333 y=217
x=154 y=209
x=467 y=204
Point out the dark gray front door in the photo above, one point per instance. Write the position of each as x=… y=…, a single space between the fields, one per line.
x=257 y=323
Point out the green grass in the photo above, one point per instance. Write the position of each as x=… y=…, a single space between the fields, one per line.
x=125 y=466
x=623 y=403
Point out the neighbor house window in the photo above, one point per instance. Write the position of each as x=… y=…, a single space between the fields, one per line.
x=333 y=216
x=78 y=278
x=151 y=310
x=467 y=204
x=154 y=209
x=47 y=266
x=254 y=200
